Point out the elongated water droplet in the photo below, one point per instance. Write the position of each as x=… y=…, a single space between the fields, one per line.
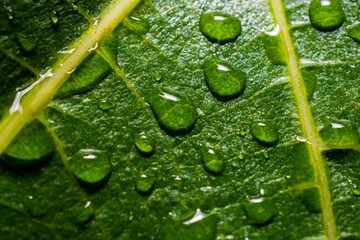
x=326 y=15
x=224 y=80
x=27 y=44
x=31 y=146
x=260 y=211
x=274 y=47
x=91 y=166
x=220 y=27
x=175 y=113
x=264 y=133
x=354 y=32
x=145 y=144
x=311 y=199
x=54 y=19
x=138 y=24
x=105 y=105
x=212 y=162
x=145 y=184
x=340 y=134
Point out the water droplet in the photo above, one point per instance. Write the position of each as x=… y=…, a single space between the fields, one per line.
x=259 y=211
x=220 y=27
x=138 y=24
x=241 y=156
x=199 y=215
x=224 y=80
x=104 y=105
x=175 y=113
x=90 y=166
x=145 y=184
x=83 y=214
x=264 y=133
x=274 y=47
x=354 y=187
x=340 y=134
x=266 y=154
x=212 y=163
x=354 y=32
x=311 y=199
x=31 y=146
x=144 y=144
x=131 y=216
x=27 y=44
x=157 y=77
x=242 y=133
x=54 y=19
x=326 y=15
x=35 y=207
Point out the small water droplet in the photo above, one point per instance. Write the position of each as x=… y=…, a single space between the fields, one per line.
x=26 y=43
x=90 y=166
x=241 y=156
x=157 y=77
x=10 y=13
x=242 y=133
x=131 y=216
x=220 y=27
x=326 y=15
x=264 y=133
x=175 y=113
x=82 y=214
x=35 y=207
x=54 y=19
x=212 y=163
x=354 y=32
x=224 y=80
x=145 y=144
x=138 y=24
x=105 y=105
x=311 y=199
x=274 y=47
x=145 y=184
x=259 y=211
x=266 y=154
x=340 y=134
x=354 y=187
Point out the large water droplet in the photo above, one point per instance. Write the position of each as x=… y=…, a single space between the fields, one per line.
x=91 y=166
x=311 y=199
x=145 y=144
x=224 y=80
x=264 y=133
x=326 y=15
x=105 y=105
x=175 y=113
x=145 y=184
x=274 y=47
x=212 y=162
x=220 y=27
x=138 y=24
x=31 y=146
x=340 y=134
x=27 y=44
x=259 y=211
x=354 y=32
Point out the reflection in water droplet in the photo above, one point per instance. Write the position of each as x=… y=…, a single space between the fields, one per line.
x=105 y=105
x=340 y=134
x=354 y=32
x=145 y=144
x=145 y=184
x=91 y=166
x=274 y=47
x=264 y=133
x=211 y=161
x=199 y=215
x=220 y=27
x=326 y=15
x=224 y=80
x=16 y=103
x=175 y=113
x=138 y=24
x=54 y=18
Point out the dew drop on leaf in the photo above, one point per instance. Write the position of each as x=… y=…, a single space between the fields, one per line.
x=266 y=154
x=31 y=146
x=354 y=187
x=90 y=166
x=145 y=184
x=340 y=134
x=264 y=133
x=157 y=77
x=274 y=48
x=105 y=105
x=175 y=113
x=311 y=199
x=224 y=80
x=145 y=144
x=54 y=19
x=211 y=161
x=241 y=156
x=35 y=207
x=82 y=214
x=26 y=43
x=354 y=32
x=326 y=15
x=138 y=24
x=220 y=27
x=259 y=211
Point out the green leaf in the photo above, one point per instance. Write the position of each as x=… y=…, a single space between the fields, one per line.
x=82 y=83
